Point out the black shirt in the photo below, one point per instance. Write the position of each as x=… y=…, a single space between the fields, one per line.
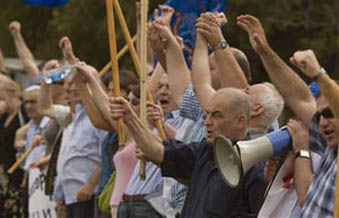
x=208 y=195
x=7 y=136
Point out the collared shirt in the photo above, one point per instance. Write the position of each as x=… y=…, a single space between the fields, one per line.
x=154 y=181
x=82 y=157
x=319 y=200
x=34 y=130
x=190 y=109
x=208 y=194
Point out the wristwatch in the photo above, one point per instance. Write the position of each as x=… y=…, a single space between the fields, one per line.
x=221 y=45
x=322 y=71
x=303 y=153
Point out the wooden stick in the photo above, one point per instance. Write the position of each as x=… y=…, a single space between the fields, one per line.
x=135 y=58
x=143 y=75
x=114 y=63
x=20 y=160
x=121 y=53
x=336 y=201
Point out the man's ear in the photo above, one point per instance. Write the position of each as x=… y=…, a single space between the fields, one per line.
x=242 y=121
x=257 y=110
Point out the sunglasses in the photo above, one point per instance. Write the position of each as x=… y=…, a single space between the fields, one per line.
x=326 y=113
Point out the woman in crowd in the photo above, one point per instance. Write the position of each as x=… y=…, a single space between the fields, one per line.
x=12 y=117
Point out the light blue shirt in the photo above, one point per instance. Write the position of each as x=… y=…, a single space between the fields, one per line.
x=34 y=130
x=154 y=180
x=82 y=157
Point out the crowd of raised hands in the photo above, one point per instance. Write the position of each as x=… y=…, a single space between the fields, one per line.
x=34 y=108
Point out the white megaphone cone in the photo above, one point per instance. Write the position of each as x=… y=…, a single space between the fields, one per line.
x=234 y=161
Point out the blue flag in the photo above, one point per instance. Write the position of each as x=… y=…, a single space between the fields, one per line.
x=186 y=14
x=50 y=3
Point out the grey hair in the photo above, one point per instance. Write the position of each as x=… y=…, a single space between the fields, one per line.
x=241 y=104
x=32 y=88
x=273 y=104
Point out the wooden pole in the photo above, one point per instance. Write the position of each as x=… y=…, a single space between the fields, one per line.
x=143 y=75
x=135 y=58
x=114 y=63
x=121 y=53
x=336 y=201
x=20 y=160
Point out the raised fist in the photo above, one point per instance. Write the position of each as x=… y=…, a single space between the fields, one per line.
x=15 y=27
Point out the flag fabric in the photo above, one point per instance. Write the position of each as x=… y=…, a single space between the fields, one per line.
x=184 y=19
x=50 y=3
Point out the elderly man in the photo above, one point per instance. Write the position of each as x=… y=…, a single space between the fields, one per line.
x=228 y=114
x=315 y=187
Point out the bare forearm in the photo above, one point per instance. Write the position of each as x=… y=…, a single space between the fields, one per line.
x=330 y=89
x=100 y=99
x=25 y=55
x=92 y=110
x=290 y=85
x=231 y=73
x=303 y=177
x=201 y=74
x=45 y=101
x=2 y=62
x=161 y=57
x=150 y=144
x=178 y=73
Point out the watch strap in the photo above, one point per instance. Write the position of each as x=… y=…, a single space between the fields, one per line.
x=221 y=45
x=322 y=71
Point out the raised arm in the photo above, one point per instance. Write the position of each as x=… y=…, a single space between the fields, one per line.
x=84 y=75
x=229 y=70
x=45 y=97
x=23 y=51
x=67 y=50
x=307 y=62
x=289 y=84
x=201 y=74
x=151 y=145
x=177 y=70
x=2 y=63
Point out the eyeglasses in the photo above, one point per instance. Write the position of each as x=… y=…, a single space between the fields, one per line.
x=326 y=113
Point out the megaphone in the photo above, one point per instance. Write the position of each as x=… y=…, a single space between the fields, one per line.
x=233 y=161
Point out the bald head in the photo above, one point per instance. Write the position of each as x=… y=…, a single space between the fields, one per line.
x=228 y=114
x=236 y=100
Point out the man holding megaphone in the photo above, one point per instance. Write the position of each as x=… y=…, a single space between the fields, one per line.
x=228 y=113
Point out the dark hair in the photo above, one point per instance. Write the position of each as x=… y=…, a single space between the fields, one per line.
x=136 y=91
x=127 y=79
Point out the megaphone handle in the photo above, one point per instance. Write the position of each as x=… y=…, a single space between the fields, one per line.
x=241 y=165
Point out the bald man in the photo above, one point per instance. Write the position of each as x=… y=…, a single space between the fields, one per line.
x=227 y=114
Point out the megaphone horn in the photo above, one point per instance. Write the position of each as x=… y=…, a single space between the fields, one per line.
x=233 y=161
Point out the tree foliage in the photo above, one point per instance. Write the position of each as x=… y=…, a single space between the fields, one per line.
x=290 y=25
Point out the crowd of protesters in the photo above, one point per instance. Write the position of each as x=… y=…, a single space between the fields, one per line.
x=72 y=125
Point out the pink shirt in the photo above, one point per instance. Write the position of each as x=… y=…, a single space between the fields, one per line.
x=124 y=162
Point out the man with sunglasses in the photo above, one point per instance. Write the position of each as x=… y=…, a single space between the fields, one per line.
x=315 y=186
